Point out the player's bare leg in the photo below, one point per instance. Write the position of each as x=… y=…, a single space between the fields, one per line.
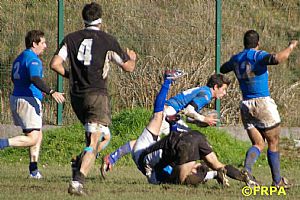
x=34 y=152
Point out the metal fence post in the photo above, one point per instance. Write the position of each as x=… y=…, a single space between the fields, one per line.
x=218 y=46
x=60 y=33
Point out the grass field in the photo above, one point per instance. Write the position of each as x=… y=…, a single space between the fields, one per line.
x=125 y=182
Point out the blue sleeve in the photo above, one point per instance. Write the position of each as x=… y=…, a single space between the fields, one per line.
x=259 y=57
x=35 y=68
x=199 y=102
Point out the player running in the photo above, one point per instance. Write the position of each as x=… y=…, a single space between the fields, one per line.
x=89 y=52
x=25 y=101
x=258 y=110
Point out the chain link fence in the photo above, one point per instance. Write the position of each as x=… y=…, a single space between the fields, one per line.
x=165 y=34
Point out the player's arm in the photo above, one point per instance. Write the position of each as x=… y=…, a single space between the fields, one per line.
x=56 y=63
x=191 y=111
x=34 y=72
x=126 y=60
x=227 y=67
x=274 y=59
x=129 y=65
x=41 y=85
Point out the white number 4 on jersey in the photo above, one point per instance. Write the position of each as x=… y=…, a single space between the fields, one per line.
x=84 y=53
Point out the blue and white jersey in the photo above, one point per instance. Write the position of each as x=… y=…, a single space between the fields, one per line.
x=26 y=65
x=199 y=96
x=250 y=68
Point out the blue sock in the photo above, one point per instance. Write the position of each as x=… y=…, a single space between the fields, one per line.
x=4 y=143
x=161 y=96
x=251 y=156
x=33 y=167
x=174 y=126
x=122 y=151
x=274 y=162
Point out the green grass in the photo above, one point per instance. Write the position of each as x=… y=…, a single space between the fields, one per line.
x=125 y=181
x=60 y=144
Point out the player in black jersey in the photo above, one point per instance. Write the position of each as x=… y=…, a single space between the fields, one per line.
x=180 y=151
x=90 y=51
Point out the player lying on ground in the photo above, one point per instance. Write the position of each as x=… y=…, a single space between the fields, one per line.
x=151 y=133
x=180 y=151
x=191 y=102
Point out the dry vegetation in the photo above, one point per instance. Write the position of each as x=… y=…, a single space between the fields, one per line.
x=165 y=34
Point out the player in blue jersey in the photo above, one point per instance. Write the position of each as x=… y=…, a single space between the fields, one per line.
x=25 y=101
x=258 y=110
x=89 y=52
x=190 y=102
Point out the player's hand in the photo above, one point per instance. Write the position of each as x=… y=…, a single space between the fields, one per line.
x=131 y=54
x=293 y=44
x=58 y=97
x=211 y=120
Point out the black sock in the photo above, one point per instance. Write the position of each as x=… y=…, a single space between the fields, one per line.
x=33 y=167
x=233 y=173
x=79 y=177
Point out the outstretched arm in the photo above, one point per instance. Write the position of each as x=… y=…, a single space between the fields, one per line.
x=227 y=67
x=285 y=53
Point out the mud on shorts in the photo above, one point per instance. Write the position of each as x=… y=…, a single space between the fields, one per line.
x=92 y=107
x=259 y=112
x=26 y=112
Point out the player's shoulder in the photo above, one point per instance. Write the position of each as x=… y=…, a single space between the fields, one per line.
x=31 y=57
x=90 y=34
x=254 y=54
x=204 y=90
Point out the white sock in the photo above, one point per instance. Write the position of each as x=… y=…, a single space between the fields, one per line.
x=210 y=175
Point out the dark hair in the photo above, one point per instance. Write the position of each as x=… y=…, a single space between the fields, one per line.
x=217 y=79
x=251 y=39
x=33 y=36
x=91 y=12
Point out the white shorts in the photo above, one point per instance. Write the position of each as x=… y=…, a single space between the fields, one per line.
x=165 y=126
x=259 y=112
x=26 y=112
x=145 y=140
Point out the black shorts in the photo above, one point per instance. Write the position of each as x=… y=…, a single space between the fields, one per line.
x=92 y=108
x=191 y=146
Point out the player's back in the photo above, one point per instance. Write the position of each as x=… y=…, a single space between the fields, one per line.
x=252 y=73
x=87 y=51
x=181 y=100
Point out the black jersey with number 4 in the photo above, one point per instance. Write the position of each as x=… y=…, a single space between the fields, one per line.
x=87 y=51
